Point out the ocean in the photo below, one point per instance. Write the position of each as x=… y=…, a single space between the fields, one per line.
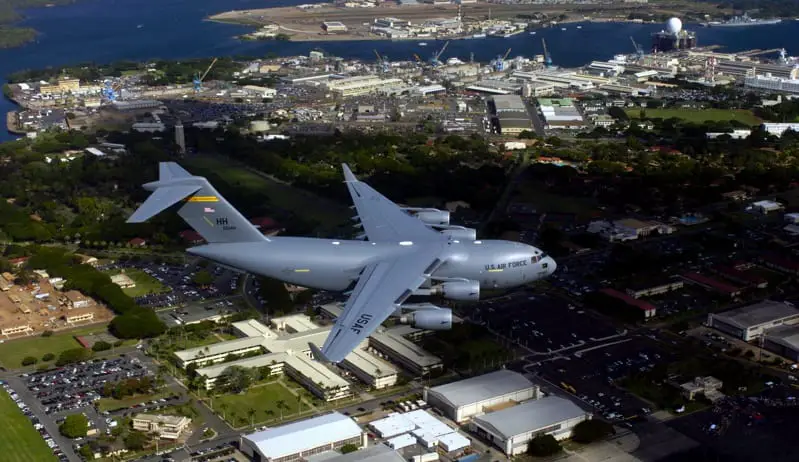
x=108 y=30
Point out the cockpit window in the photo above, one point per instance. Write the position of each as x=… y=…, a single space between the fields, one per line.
x=535 y=259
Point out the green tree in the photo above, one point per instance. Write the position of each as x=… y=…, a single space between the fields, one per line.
x=48 y=357
x=29 y=361
x=543 y=446
x=101 y=346
x=348 y=448
x=86 y=452
x=74 y=426
x=203 y=278
x=136 y=440
x=74 y=355
x=234 y=379
x=592 y=430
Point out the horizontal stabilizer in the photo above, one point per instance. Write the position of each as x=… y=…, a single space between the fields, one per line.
x=162 y=198
x=317 y=353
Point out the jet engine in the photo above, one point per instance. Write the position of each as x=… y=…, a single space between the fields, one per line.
x=433 y=217
x=433 y=318
x=467 y=291
x=460 y=233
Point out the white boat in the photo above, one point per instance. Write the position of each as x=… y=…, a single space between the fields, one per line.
x=579 y=27
x=139 y=26
x=532 y=33
x=422 y=44
x=562 y=28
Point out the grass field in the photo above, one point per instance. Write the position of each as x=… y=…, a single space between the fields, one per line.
x=19 y=441
x=697 y=115
x=13 y=351
x=283 y=196
x=145 y=284
x=262 y=399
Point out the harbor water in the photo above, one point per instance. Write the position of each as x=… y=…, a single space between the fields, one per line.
x=103 y=31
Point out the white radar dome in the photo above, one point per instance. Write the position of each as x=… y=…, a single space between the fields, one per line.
x=674 y=25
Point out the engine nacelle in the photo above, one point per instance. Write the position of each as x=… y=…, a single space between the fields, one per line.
x=433 y=217
x=460 y=233
x=433 y=318
x=467 y=291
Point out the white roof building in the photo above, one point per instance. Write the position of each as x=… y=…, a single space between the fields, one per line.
x=402 y=441
x=466 y=398
x=511 y=429
x=303 y=438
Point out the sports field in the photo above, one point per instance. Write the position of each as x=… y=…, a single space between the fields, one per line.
x=697 y=115
x=13 y=351
x=19 y=441
x=283 y=196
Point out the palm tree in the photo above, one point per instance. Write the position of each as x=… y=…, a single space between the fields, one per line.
x=251 y=414
x=280 y=405
x=223 y=407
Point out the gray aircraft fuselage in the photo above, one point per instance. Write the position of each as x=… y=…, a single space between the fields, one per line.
x=331 y=264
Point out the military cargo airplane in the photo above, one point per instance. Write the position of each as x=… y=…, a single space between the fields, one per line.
x=403 y=252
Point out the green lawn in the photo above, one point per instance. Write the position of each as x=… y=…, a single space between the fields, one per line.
x=283 y=196
x=262 y=399
x=19 y=441
x=111 y=404
x=13 y=351
x=697 y=115
x=145 y=284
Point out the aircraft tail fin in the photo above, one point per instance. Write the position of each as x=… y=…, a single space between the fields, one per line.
x=204 y=209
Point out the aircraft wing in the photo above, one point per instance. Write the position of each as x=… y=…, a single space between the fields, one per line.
x=382 y=219
x=380 y=290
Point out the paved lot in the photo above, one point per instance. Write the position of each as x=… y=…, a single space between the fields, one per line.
x=744 y=429
x=591 y=373
x=541 y=323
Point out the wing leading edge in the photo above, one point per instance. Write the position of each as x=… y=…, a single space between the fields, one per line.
x=381 y=288
x=382 y=219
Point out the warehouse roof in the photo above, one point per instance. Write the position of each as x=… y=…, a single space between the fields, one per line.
x=231 y=346
x=787 y=336
x=306 y=434
x=482 y=388
x=529 y=416
x=509 y=103
x=378 y=453
x=760 y=313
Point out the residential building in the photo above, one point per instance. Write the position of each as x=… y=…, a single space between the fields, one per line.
x=708 y=386
x=75 y=299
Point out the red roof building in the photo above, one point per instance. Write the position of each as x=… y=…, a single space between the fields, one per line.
x=741 y=277
x=648 y=308
x=137 y=242
x=192 y=237
x=19 y=261
x=712 y=284
x=781 y=264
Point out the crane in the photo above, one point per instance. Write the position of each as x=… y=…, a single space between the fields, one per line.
x=436 y=59
x=382 y=61
x=507 y=53
x=547 y=57
x=198 y=80
x=638 y=50
x=499 y=63
x=111 y=90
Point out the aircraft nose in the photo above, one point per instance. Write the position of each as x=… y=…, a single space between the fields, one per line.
x=551 y=265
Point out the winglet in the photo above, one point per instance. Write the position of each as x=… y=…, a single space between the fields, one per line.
x=349 y=177
x=317 y=354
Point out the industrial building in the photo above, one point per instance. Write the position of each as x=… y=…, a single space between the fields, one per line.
x=378 y=453
x=462 y=400
x=777 y=129
x=512 y=429
x=418 y=427
x=296 y=441
x=772 y=83
x=783 y=341
x=749 y=323
x=332 y=27
x=673 y=37
x=560 y=113
x=361 y=85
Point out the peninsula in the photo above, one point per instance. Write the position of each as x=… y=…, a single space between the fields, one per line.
x=365 y=20
x=12 y=35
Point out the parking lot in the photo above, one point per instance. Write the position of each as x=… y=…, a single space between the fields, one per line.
x=37 y=424
x=590 y=375
x=744 y=429
x=541 y=323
